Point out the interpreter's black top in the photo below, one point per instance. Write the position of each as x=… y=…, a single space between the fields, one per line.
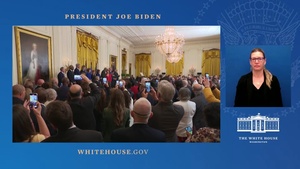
x=247 y=95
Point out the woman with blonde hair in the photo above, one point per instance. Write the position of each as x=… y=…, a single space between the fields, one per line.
x=259 y=88
x=115 y=115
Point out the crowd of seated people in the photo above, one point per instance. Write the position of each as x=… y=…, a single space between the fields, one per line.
x=99 y=106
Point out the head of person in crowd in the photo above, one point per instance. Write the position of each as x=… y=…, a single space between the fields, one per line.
x=62 y=69
x=54 y=82
x=29 y=84
x=103 y=102
x=184 y=94
x=143 y=83
x=197 y=89
x=77 y=65
x=127 y=98
x=60 y=115
x=50 y=94
x=185 y=83
x=165 y=91
x=178 y=84
x=65 y=81
x=71 y=67
x=85 y=88
x=22 y=127
x=117 y=104
x=41 y=94
x=75 y=91
x=83 y=68
x=142 y=111
x=46 y=85
x=40 y=82
x=19 y=91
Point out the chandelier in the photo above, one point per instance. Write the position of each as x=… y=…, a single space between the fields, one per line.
x=170 y=45
x=174 y=58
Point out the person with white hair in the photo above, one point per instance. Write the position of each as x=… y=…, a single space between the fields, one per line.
x=189 y=107
x=166 y=116
x=50 y=96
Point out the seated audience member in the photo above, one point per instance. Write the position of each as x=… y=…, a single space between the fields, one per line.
x=63 y=91
x=211 y=133
x=23 y=130
x=116 y=115
x=166 y=116
x=60 y=115
x=200 y=101
x=50 y=96
x=189 y=111
x=211 y=93
x=139 y=131
x=83 y=107
x=18 y=94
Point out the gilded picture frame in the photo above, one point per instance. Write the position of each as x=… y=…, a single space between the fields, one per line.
x=34 y=55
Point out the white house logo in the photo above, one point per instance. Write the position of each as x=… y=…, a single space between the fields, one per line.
x=258 y=124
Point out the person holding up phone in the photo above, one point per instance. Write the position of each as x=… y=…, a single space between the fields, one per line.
x=23 y=130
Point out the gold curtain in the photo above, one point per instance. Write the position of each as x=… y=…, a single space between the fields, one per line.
x=211 y=62
x=175 y=68
x=87 y=50
x=142 y=64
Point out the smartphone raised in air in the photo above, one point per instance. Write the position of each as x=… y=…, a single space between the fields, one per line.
x=189 y=129
x=148 y=86
x=33 y=100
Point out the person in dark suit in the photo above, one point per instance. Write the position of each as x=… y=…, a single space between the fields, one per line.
x=63 y=91
x=60 y=115
x=77 y=69
x=200 y=101
x=139 y=131
x=18 y=94
x=83 y=107
x=166 y=116
x=61 y=75
x=70 y=74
